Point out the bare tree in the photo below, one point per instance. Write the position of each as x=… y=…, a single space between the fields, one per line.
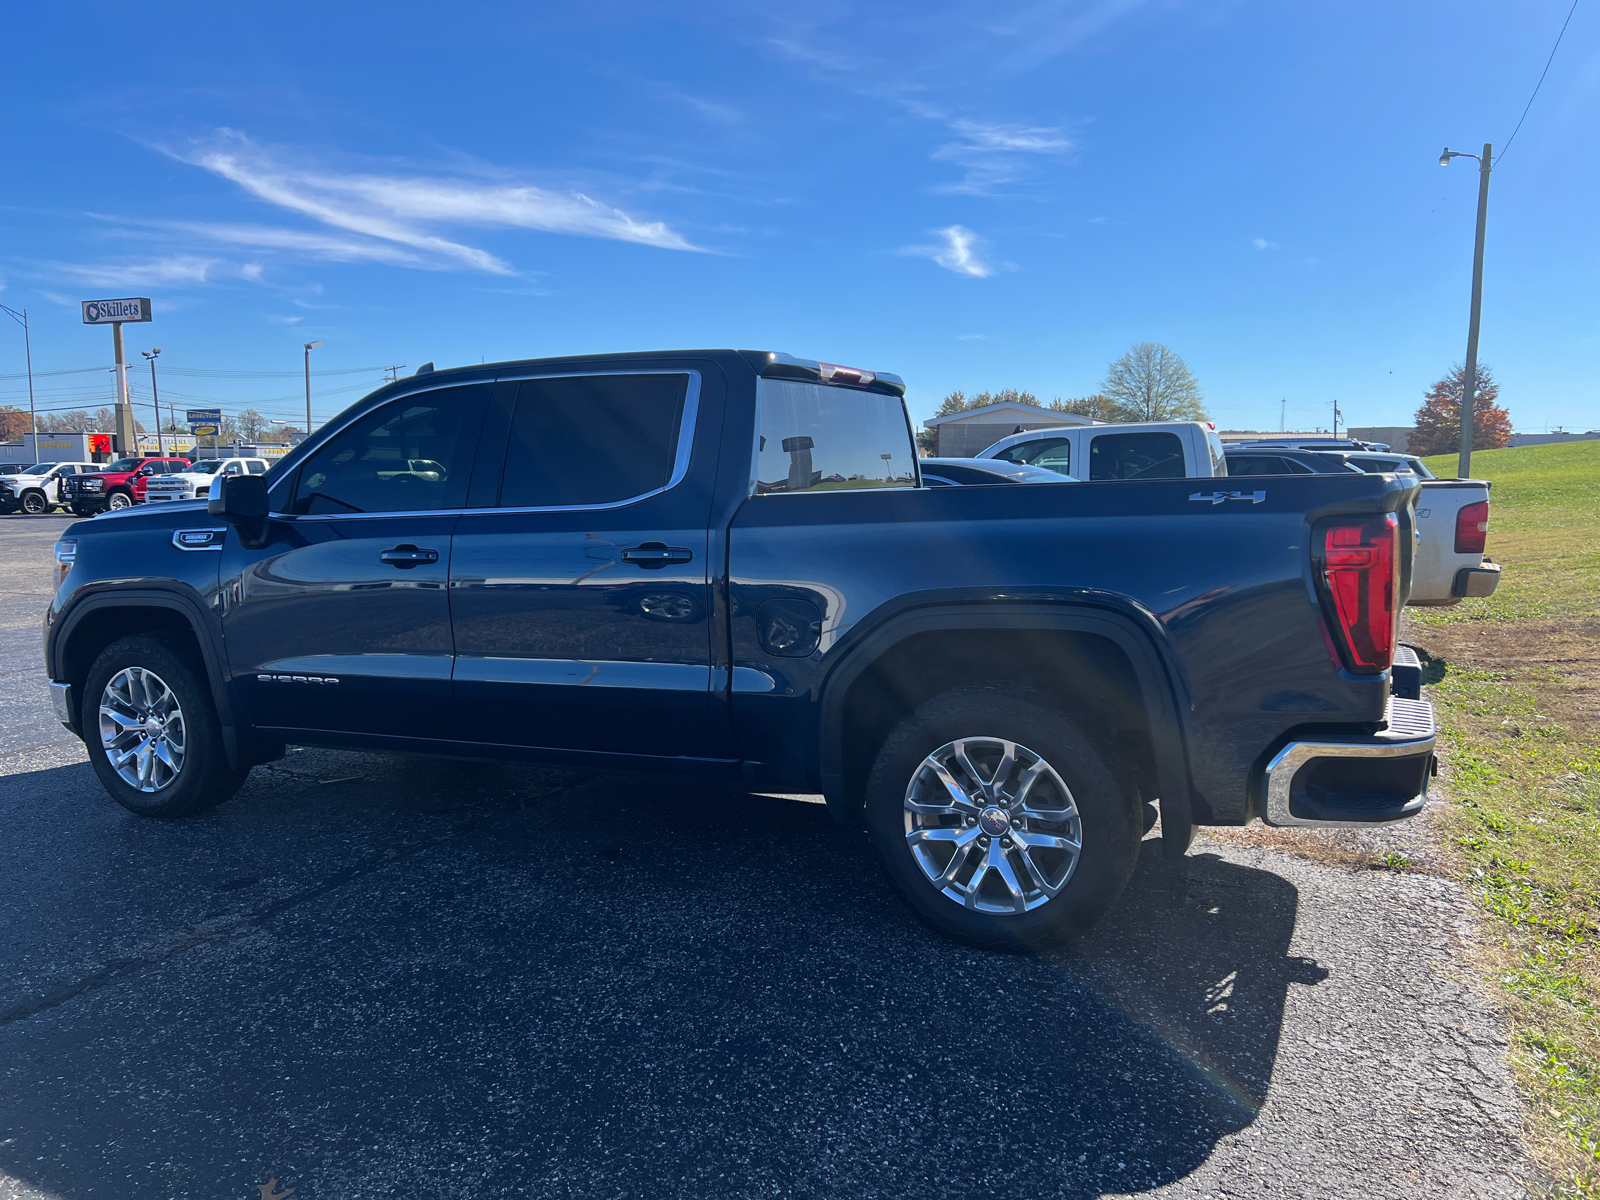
x=1152 y=383
x=251 y=423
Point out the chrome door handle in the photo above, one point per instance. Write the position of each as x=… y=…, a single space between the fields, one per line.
x=652 y=556
x=406 y=556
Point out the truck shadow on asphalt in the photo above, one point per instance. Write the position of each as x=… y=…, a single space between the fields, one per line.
x=399 y=977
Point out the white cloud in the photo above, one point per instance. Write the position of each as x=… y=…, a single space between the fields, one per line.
x=990 y=153
x=398 y=209
x=960 y=252
x=277 y=320
x=170 y=270
x=1263 y=244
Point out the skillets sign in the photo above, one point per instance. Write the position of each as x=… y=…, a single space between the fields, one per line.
x=115 y=312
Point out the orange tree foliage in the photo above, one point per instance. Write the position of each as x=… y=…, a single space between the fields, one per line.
x=13 y=423
x=1438 y=428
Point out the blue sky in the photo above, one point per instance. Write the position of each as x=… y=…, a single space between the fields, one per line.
x=974 y=196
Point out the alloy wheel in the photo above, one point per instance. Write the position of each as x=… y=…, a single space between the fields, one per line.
x=34 y=503
x=991 y=825
x=120 y=500
x=142 y=729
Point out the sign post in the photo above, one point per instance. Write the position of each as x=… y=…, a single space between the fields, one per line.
x=114 y=313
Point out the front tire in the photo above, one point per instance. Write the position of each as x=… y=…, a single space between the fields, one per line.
x=999 y=820
x=119 y=500
x=34 y=503
x=152 y=730
x=82 y=510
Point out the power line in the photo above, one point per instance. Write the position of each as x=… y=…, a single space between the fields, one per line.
x=1540 y=84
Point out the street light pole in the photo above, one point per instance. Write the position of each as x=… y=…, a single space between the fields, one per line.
x=1469 y=384
x=310 y=346
x=155 y=399
x=27 y=347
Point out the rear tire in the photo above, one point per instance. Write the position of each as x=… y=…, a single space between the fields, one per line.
x=152 y=730
x=1046 y=842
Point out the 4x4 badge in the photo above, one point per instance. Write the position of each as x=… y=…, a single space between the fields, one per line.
x=1219 y=497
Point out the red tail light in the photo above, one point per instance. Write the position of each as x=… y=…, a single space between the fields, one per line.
x=1472 y=528
x=1361 y=575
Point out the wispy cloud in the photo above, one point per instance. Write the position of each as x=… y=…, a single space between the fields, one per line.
x=330 y=248
x=402 y=209
x=280 y=320
x=1263 y=244
x=959 y=251
x=990 y=152
x=169 y=270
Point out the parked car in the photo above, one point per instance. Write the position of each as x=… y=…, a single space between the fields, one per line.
x=118 y=485
x=38 y=488
x=195 y=482
x=1315 y=443
x=1392 y=462
x=648 y=561
x=968 y=472
x=1137 y=450
x=1254 y=460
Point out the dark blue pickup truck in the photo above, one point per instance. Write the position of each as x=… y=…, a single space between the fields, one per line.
x=725 y=562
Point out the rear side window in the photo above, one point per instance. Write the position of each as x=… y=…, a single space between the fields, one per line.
x=592 y=439
x=1053 y=454
x=818 y=438
x=257 y=467
x=371 y=466
x=1136 y=456
x=1255 y=465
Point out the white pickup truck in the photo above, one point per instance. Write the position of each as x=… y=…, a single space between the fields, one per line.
x=195 y=483
x=1137 y=450
x=1452 y=526
x=38 y=489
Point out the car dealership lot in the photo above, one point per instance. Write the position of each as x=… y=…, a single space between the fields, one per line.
x=378 y=976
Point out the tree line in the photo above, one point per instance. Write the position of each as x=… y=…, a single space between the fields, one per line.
x=248 y=426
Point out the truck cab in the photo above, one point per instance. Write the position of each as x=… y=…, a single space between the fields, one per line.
x=1135 y=450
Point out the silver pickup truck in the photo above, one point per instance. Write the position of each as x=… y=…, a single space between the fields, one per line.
x=1452 y=526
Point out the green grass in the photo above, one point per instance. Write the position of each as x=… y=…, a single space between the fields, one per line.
x=1513 y=683
x=1544 y=527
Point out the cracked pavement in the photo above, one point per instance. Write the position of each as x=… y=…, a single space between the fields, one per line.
x=373 y=976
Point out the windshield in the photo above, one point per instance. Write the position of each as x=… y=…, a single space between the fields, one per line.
x=40 y=469
x=206 y=466
x=123 y=464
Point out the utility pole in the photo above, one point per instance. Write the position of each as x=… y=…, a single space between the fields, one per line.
x=1469 y=383
x=27 y=347
x=310 y=346
x=155 y=398
x=1283 y=412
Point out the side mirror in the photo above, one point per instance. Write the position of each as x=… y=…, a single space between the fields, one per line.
x=241 y=501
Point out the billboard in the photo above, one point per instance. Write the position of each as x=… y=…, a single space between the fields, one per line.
x=115 y=312
x=204 y=421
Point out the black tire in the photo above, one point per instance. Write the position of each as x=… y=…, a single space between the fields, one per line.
x=82 y=510
x=204 y=778
x=1108 y=824
x=35 y=503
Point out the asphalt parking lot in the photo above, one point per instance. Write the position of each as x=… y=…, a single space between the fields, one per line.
x=383 y=977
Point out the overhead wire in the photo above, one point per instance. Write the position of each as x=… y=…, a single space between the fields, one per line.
x=1540 y=84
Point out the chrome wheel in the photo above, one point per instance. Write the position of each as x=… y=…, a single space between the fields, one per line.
x=992 y=826
x=142 y=730
x=120 y=500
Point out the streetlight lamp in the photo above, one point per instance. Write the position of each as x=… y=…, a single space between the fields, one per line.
x=27 y=346
x=310 y=346
x=1469 y=385
x=155 y=400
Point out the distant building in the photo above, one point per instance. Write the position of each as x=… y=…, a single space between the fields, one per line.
x=1398 y=436
x=1545 y=439
x=964 y=434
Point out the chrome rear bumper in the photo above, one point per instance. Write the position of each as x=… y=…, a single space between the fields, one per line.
x=1355 y=781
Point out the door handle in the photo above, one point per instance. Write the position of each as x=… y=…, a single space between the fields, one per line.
x=406 y=556
x=652 y=556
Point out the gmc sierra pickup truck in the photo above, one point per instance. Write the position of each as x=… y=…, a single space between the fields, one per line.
x=726 y=562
